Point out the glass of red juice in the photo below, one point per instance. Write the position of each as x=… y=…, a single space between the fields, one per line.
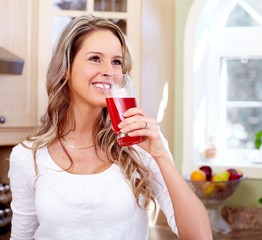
x=119 y=98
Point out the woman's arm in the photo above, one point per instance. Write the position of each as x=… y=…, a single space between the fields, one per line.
x=22 y=177
x=190 y=214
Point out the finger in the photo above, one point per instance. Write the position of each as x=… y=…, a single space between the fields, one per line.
x=147 y=125
x=133 y=119
x=134 y=111
x=141 y=127
x=135 y=122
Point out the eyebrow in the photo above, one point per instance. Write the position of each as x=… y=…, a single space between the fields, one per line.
x=99 y=53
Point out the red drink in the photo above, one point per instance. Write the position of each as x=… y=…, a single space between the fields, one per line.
x=116 y=107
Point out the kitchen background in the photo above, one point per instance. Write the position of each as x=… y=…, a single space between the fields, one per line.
x=156 y=32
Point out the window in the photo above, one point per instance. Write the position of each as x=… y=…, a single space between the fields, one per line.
x=243 y=85
x=223 y=84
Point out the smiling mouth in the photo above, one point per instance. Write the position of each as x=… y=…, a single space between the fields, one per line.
x=103 y=85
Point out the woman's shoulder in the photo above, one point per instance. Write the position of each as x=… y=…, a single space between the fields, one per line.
x=21 y=161
x=22 y=153
x=22 y=148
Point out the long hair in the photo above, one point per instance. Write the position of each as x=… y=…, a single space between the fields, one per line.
x=59 y=112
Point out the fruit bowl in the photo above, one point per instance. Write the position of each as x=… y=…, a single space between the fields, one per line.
x=213 y=194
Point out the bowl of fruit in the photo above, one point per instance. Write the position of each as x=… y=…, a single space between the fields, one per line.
x=213 y=189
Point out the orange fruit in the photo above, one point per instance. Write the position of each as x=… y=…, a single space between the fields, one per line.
x=198 y=175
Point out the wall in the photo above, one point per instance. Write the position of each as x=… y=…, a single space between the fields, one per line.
x=157 y=86
x=158 y=62
x=249 y=191
x=181 y=10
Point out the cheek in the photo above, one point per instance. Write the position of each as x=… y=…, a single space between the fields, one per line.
x=80 y=77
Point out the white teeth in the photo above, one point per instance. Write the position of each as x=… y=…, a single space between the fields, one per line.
x=102 y=85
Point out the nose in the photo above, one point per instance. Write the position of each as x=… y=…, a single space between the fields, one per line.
x=107 y=70
x=107 y=75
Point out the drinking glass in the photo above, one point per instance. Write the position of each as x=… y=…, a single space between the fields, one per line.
x=119 y=98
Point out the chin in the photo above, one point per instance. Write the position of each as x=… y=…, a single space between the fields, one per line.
x=102 y=105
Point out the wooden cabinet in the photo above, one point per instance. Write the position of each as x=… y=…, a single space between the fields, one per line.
x=55 y=14
x=18 y=92
x=29 y=28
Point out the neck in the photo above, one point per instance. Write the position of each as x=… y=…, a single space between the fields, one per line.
x=85 y=118
x=80 y=132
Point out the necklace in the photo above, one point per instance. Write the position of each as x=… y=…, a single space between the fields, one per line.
x=75 y=147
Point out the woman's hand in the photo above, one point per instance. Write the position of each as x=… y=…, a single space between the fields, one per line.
x=136 y=123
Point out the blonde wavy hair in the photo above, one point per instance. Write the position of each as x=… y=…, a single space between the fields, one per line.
x=59 y=109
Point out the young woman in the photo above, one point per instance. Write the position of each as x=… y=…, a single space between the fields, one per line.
x=72 y=180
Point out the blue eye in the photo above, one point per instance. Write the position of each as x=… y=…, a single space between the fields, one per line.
x=94 y=59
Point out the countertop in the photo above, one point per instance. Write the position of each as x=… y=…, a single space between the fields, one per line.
x=246 y=224
x=239 y=235
x=164 y=233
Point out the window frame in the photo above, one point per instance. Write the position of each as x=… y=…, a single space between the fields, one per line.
x=191 y=77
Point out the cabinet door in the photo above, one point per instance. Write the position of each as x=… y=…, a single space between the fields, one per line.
x=18 y=92
x=55 y=14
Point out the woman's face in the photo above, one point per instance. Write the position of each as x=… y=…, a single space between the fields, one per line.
x=100 y=53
